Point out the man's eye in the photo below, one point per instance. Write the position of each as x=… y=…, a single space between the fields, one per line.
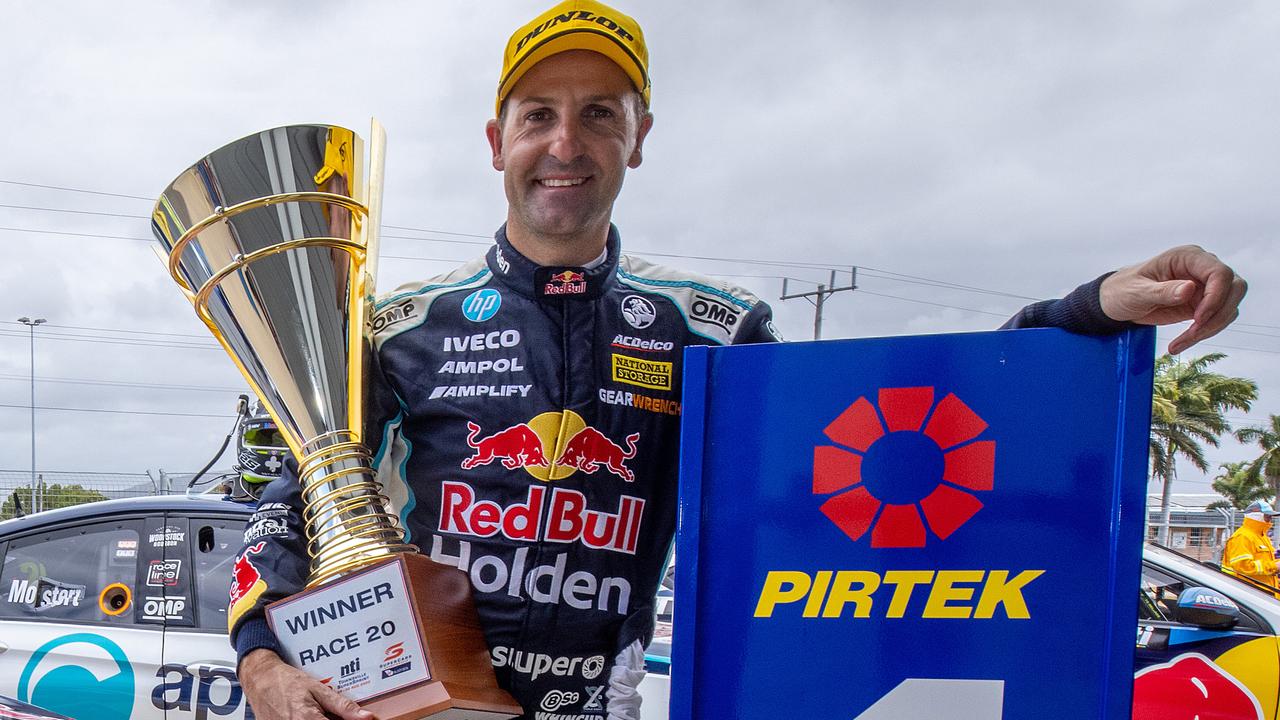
x=599 y=113
x=537 y=116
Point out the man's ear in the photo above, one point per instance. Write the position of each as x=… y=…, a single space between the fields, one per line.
x=494 y=132
x=646 y=122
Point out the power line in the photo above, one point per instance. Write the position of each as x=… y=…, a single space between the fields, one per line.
x=119 y=383
x=76 y=190
x=485 y=240
x=117 y=412
x=111 y=341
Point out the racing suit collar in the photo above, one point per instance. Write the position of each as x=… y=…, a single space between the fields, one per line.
x=552 y=283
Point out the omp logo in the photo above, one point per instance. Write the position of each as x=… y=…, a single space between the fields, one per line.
x=904 y=467
x=74 y=690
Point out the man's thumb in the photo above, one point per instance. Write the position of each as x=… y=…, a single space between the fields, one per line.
x=1173 y=292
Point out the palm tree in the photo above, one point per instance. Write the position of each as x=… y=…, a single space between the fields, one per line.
x=1266 y=467
x=1238 y=487
x=1188 y=409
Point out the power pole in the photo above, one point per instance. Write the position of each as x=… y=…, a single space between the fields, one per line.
x=31 y=325
x=818 y=297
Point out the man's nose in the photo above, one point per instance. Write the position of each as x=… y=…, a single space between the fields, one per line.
x=566 y=144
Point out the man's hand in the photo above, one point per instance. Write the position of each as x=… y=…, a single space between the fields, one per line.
x=279 y=691
x=1184 y=283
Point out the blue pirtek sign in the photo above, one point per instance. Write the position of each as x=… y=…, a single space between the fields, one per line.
x=946 y=527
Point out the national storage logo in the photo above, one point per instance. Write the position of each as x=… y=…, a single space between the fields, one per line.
x=902 y=473
x=653 y=374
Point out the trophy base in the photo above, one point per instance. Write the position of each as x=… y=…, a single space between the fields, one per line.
x=401 y=637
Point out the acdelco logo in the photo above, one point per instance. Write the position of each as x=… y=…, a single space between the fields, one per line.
x=918 y=469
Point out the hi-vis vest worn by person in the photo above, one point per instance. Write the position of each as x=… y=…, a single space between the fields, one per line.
x=525 y=422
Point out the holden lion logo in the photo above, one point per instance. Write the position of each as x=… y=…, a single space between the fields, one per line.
x=918 y=467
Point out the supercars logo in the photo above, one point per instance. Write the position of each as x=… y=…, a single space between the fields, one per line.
x=912 y=474
x=552 y=446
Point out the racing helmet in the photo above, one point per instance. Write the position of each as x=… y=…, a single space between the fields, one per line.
x=260 y=455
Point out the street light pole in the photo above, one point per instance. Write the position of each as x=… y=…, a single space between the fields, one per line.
x=31 y=325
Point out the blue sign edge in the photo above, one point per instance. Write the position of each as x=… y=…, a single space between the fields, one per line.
x=688 y=528
x=1135 y=352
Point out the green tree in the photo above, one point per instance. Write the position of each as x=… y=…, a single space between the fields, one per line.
x=1266 y=467
x=51 y=497
x=1188 y=410
x=1238 y=486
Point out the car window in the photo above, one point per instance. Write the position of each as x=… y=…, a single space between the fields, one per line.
x=82 y=574
x=1158 y=598
x=215 y=554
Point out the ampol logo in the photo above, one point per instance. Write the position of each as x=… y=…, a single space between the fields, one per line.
x=552 y=446
x=902 y=464
x=99 y=686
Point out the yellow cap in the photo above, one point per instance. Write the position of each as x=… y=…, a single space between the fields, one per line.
x=576 y=25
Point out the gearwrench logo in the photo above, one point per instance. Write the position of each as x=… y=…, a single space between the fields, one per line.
x=903 y=468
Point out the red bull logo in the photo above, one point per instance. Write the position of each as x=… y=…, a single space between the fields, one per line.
x=566 y=282
x=246 y=583
x=567 y=518
x=1191 y=687
x=552 y=446
x=908 y=477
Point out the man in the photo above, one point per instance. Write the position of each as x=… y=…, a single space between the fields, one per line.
x=525 y=412
x=260 y=455
x=1249 y=551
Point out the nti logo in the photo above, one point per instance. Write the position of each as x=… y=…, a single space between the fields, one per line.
x=901 y=465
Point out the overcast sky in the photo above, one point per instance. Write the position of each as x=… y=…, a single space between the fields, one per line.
x=1014 y=148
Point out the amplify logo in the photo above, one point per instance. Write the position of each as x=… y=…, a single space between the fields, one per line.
x=74 y=690
x=918 y=468
x=552 y=446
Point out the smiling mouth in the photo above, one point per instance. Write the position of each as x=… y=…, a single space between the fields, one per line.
x=560 y=182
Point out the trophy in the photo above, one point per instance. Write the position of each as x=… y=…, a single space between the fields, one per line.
x=274 y=240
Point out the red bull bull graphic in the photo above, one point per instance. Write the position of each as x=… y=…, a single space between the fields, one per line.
x=552 y=446
x=565 y=282
x=517 y=446
x=589 y=450
x=246 y=584
x=1191 y=687
x=899 y=476
x=850 y=536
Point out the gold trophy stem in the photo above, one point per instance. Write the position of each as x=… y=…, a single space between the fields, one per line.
x=347 y=523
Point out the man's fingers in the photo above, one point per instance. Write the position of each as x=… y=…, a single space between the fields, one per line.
x=339 y=704
x=1218 y=285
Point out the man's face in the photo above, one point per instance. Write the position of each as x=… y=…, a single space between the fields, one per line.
x=571 y=127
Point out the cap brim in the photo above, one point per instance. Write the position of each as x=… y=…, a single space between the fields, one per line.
x=599 y=41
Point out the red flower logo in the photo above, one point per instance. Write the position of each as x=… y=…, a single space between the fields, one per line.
x=894 y=476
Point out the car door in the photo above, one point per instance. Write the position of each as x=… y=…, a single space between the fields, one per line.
x=1188 y=671
x=197 y=679
x=70 y=629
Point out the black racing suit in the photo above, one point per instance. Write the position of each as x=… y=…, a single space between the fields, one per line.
x=525 y=422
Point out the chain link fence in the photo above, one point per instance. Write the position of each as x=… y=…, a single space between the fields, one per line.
x=54 y=489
